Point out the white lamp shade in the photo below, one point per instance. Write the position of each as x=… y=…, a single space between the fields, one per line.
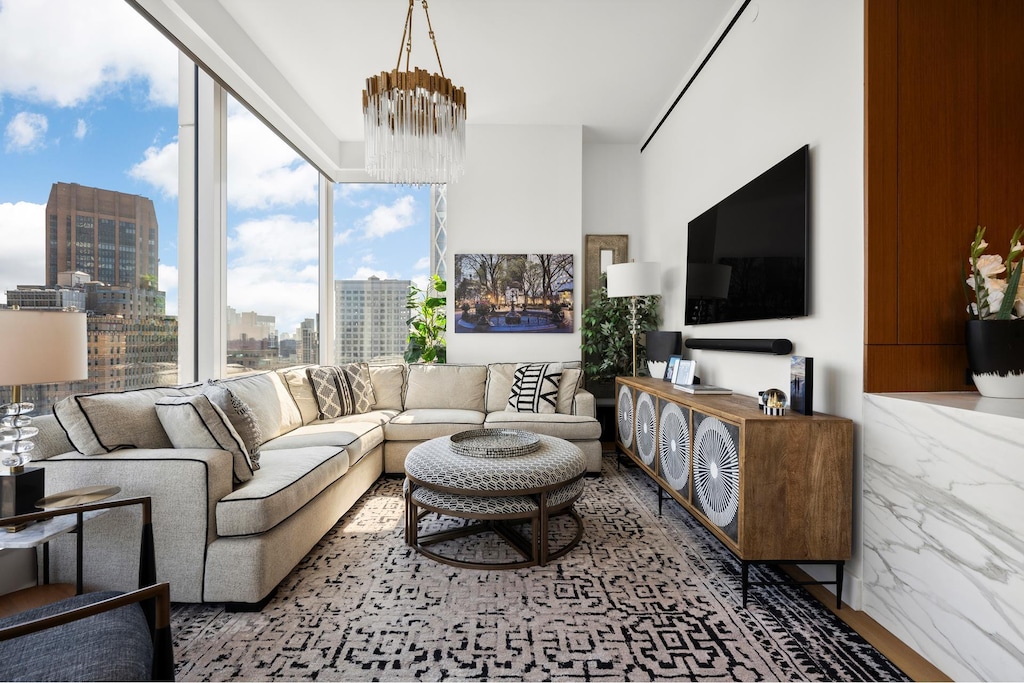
x=42 y=347
x=634 y=279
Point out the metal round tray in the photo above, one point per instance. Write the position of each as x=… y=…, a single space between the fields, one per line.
x=82 y=496
x=495 y=443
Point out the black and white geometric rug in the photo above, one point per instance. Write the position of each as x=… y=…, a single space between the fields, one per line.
x=641 y=598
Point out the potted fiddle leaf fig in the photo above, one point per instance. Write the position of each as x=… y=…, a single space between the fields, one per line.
x=428 y=322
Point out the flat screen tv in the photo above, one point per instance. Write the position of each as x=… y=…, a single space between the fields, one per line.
x=747 y=254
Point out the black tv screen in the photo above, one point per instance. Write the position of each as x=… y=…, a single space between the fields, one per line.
x=746 y=257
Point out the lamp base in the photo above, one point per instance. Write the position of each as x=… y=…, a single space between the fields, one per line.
x=19 y=493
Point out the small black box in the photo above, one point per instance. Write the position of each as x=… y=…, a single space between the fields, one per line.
x=19 y=492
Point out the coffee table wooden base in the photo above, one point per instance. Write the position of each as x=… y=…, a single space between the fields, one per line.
x=534 y=550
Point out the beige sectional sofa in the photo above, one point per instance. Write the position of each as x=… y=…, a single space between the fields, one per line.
x=219 y=539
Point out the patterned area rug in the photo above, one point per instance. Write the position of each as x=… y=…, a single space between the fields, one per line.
x=640 y=598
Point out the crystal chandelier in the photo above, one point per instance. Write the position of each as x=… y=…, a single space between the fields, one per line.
x=415 y=121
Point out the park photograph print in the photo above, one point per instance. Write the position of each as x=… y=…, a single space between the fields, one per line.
x=496 y=293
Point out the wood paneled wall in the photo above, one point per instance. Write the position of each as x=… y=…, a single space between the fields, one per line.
x=944 y=153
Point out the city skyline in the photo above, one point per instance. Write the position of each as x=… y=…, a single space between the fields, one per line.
x=100 y=110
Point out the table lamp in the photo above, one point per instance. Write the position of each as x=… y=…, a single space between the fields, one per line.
x=36 y=347
x=633 y=280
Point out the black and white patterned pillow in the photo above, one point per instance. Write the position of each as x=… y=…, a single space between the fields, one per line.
x=358 y=377
x=241 y=416
x=534 y=388
x=331 y=390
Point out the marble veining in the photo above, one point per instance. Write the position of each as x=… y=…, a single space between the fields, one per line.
x=943 y=521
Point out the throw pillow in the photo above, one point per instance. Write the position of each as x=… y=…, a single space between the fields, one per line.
x=535 y=388
x=330 y=387
x=358 y=377
x=242 y=418
x=101 y=423
x=195 y=422
x=567 y=388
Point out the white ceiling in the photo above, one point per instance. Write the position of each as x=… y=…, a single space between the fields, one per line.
x=610 y=66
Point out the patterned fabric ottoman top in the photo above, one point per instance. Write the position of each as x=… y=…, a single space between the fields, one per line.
x=433 y=463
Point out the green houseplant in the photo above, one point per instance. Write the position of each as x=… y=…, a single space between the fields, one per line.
x=429 y=320
x=606 y=341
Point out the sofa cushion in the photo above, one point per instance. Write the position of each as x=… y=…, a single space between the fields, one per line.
x=388 y=386
x=358 y=438
x=100 y=423
x=287 y=480
x=534 y=388
x=570 y=427
x=446 y=386
x=419 y=424
x=331 y=390
x=241 y=416
x=268 y=397
x=197 y=422
x=297 y=381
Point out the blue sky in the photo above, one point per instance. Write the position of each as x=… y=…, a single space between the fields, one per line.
x=99 y=109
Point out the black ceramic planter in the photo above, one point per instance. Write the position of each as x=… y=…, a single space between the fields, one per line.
x=995 y=352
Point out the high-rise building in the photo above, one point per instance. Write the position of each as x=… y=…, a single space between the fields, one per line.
x=111 y=236
x=132 y=343
x=307 y=346
x=370 y=320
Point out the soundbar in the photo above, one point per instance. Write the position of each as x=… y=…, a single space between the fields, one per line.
x=779 y=347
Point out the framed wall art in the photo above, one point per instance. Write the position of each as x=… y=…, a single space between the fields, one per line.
x=501 y=293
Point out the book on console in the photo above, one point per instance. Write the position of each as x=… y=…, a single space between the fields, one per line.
x=703 y=389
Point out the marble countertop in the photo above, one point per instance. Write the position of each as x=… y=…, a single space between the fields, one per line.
x=965 y=400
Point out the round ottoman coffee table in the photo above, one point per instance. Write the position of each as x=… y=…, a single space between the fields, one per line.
x=494 y=492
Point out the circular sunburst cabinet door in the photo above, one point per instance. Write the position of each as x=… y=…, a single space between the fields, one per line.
x=674 y=446
x=624 y=408
x=716 y=471
x=645 y=438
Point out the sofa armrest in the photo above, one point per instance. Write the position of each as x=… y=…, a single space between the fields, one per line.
x=584 y=404
x=184 y=485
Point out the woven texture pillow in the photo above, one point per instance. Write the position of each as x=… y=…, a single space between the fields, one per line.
x=195 y=422
x=535 y=388
x=332 y=392
x=358 y=377
x=242 y=419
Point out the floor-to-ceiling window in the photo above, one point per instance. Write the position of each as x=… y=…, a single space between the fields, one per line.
x=88 y=183
x=272 y=249
x=382 y=245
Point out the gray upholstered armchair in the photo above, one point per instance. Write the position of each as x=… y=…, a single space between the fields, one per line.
x=109 y=635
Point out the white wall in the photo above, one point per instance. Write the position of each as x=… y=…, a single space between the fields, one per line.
x=522 y=193
x=611 y=189
x=789 y=73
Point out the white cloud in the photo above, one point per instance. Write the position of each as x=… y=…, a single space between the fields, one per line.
x=159 y=168
x=25 y=131
x=168 y=278
x=364 y=272
x=23 y=256
x=280 y=241
x=343 y=237
x=272 y=269
x=384 y=220
x=422 y=264
x=264 y=172
x=81 y=128
x=65 y=52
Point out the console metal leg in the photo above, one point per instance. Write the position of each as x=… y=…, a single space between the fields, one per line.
x=840 y=572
